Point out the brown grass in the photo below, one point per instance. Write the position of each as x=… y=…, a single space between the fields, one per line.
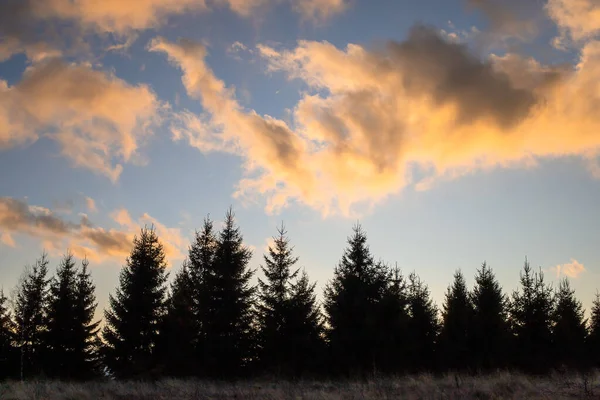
x=498 y=386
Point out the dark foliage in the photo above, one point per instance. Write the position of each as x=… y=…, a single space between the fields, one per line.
x=352 y=301
x=30 y=317
x=72 y=335
x=531 y=319
x=454 y=343
x=569 y=328
x=593 y=339
x=289 y=322
x=490 y=335
x=423 y=325
x=137 y=310
x=8 y=354
x=228 y=316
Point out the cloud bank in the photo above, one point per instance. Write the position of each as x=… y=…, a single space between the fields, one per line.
x=370 y=119
x=98 y=120
x=83 y=238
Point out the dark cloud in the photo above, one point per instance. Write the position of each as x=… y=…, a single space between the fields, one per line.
x=517 y=19
x=450 y=74
x=16 y=216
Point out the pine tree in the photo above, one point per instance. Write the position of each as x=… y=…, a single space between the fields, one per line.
x=423 y=325
x=569 y=328
x=531 y=318
x=305 y=329
x=137 y=310
x=351 y=304
x=179 y=330
x=393 y=322
x=30 y=317
x=229 y=332
x=288 y=318
x=490 y=339
x=86 y=357
x=457 y=317
x=61 y=323
x=593 y=339
x=8 y=361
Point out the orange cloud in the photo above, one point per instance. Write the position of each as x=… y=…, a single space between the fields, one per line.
x=576 y=19
x=98 y=119
x=90 y=204
x=82 y=238
x=319 y=10
x=371 y=117
x=571 y=270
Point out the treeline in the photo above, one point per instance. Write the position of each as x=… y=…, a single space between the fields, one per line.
x=212 y=322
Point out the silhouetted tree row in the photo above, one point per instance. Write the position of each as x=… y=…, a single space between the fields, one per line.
x=211 y=321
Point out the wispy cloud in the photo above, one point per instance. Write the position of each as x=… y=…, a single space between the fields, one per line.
x=82 y=237
x=572 y=269
x=98 y=119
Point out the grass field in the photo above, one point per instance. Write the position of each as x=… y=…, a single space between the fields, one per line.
x=498 y=386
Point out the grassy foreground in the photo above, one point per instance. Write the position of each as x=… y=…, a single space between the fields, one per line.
x=498 y=386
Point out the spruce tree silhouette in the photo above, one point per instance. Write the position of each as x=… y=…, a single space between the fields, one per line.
x=352 y=300
x=30 y=317
x=490 y=335
x=457 y=320
x=287 y=315
x=8 y=361
x=86 y=339
x=593 y=339
x=423 y=325
x=228 y=323
x=531 y=318
x=71 y=338
x=201 y=256
x=180 y=329
x=137 y=310
x=569 y=328
x=393 y=347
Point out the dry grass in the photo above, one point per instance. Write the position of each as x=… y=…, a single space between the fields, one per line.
x=498 y=386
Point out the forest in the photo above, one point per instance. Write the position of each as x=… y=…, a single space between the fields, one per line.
x=210 y=321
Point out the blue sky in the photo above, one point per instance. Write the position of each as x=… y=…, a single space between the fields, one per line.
x=472 y=137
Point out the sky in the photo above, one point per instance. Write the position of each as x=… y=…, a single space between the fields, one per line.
x=454 y=131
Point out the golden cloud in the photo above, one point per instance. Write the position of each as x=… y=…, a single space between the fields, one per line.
x=371 y=117
x=571 y=270
x=577 y=19
x=98 y=119
x=82 y=237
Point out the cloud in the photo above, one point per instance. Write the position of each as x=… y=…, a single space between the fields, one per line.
x=371 y=118
x=90 y=204
x=508 y=19
x=98 y=119
x=571 y=270
x=578 y=20
x=82 y=237
x=42 y=27
x=271 y=150
x=320 y=10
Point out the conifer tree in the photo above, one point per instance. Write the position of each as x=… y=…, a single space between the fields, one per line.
x=569 y=328
x=305 y=327
x=423 y=325
x=490 y=339
x=30 y=317
x=593 y=339
x=229 y=332
x=393 y=322
x=180 y=328
x=59 y=338
x=288 y=319
x=8 y=361
x=531 y=318
x=137 y=310
x=352 y=301
x=457 y=319
x=86 y=361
